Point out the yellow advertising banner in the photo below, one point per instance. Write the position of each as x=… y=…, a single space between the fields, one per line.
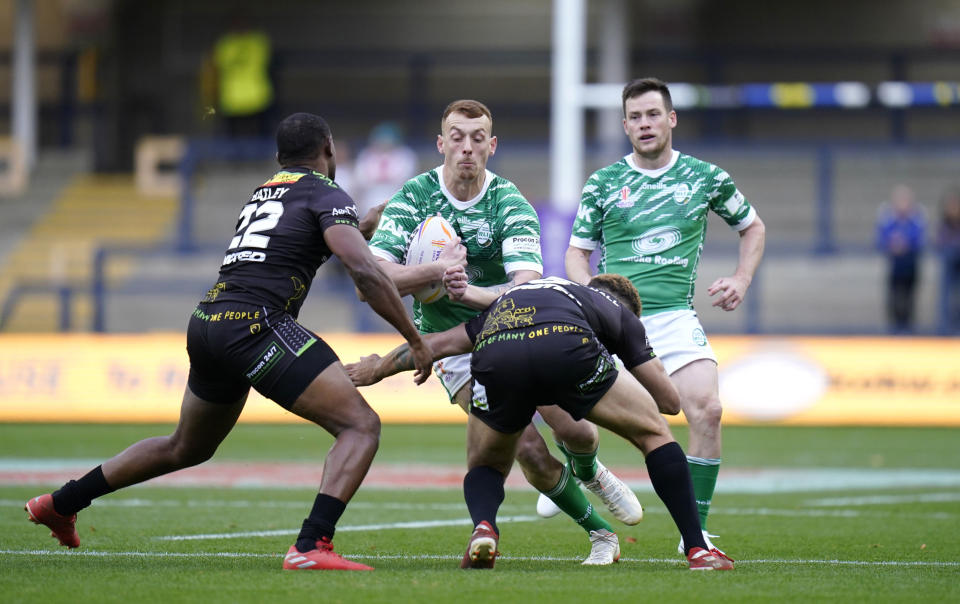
x=787 y=381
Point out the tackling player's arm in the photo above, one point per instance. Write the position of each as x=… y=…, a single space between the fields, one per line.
x=349 y=246
x=577 y=264
x=371 y=369
x=733 y=289
x=409 y=279
x=652 y=376
x=455 y=282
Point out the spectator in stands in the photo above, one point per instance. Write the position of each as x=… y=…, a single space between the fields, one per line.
x=901 y=229
x=245 y=95
x=382 y=167
x=948 y=244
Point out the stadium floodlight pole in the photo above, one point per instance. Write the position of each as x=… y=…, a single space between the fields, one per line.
x=566 y=116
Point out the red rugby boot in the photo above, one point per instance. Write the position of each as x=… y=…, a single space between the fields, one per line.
x=482 y=547
x=62 y=527
x=321 y=558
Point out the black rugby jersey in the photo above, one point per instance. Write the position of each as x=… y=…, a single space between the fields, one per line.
x=552 y=306
x=278 y=246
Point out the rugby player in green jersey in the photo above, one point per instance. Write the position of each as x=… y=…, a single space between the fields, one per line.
x=499 y=247
x=647 y=214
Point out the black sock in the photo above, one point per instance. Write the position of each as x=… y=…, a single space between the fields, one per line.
x=321 y=523
x=77 y=494
x=483 y=492
x=670 y=475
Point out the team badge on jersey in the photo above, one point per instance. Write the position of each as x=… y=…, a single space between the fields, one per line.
x=625 y=201
x=484 y=234
x=681 y=193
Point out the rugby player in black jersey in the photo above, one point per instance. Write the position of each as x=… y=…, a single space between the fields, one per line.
x=245 y=333
x=550 y=341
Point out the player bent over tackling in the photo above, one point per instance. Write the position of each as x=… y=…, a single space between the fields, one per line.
x=550 y=342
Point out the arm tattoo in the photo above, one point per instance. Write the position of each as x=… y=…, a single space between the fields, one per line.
x=402 y=359
x=499 y=289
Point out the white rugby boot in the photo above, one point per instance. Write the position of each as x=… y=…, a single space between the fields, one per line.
x=604 y=548
x=616 y=495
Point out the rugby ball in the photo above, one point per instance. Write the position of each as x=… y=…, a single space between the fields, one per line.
x=425 y=247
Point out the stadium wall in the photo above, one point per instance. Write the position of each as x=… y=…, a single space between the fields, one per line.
x=810 y=381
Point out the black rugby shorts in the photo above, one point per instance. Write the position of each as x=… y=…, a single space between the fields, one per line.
x=234 y=346
x=542 y=365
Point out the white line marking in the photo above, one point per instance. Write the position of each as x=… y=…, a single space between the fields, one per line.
x=884 y=499
x=136 y=502
x=348 y=528
x=278 y=557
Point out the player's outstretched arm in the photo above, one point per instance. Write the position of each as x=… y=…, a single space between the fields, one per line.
x=576 y=261
x=409 y=279
x=730 y=291
x=654 y=378
x=481 y=297
x=371 y=369
x=370 y=220
x=377 y=289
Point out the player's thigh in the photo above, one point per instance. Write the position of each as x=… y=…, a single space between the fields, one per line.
x=204 y=424
x=628 y=410
x=334 y=403
x=698 y=383
x=581 y=435
x=488 y=447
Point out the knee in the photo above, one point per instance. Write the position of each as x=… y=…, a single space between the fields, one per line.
x=704 y=411
x=185 y=454
x=580 y=437
x=367 y=424
x=533 y=456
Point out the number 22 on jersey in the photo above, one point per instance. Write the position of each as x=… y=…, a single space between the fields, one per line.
x=268 y=215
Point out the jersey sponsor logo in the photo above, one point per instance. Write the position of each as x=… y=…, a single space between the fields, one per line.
x=269 y=193
x=268 y=358
x=625 y=201
x=600 y=372
x=656 y=240
x=524 y=244
x=347 y=211
x=682 y=193
x=283 y=178
x=734 y=204
x=244 y=256
x=484 y=234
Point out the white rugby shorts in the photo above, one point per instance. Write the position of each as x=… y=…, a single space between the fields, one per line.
x=678 y=338
x=454 y=373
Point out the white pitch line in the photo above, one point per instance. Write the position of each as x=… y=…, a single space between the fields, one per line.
x=243 y=504
x=348 y=528
x=135 y=554
x=883 y=499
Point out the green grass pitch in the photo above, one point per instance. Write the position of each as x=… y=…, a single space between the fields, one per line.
x=809 y=514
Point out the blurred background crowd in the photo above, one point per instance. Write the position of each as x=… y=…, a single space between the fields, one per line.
x=131 y=132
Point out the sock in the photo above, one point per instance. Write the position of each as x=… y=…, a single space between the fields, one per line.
x=667 y=466
x=703 y=472
x=77 y=494
x=321 y=522
x=569 y=498
x=483 y=492
x=584 y=465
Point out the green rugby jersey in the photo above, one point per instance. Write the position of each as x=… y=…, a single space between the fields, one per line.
x=650 y=225
x=499 y=228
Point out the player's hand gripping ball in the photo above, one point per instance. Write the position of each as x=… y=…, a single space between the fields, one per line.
x=425 y=246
